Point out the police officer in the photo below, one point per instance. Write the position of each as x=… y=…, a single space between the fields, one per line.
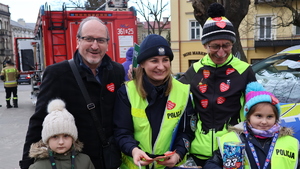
x=154 y=111
x=9 y=75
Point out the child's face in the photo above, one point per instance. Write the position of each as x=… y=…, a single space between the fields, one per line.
x=263 y=117
x=60 y=143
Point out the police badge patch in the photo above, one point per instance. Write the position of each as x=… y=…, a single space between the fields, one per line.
x=193 y=122
x=161 y=51
x=186 y=144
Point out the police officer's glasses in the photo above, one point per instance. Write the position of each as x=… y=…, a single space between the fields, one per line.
x=91 y=39
x=218 y=47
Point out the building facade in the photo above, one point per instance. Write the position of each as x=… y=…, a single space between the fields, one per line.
x=6 y=50
x=144 y=29
x=259 y=31
x=21 y=29
x=10 y=29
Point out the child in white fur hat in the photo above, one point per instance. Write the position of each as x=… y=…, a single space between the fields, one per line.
x=59 y=147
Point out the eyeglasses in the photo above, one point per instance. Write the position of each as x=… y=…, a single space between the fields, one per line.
x=91 y=39
x=217 y=47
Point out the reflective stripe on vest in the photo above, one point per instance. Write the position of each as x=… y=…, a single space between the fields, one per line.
x=10 y=82
x=284 y=155
x=175 y=107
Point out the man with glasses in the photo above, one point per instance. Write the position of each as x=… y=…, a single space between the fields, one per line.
x=218 y=82
x=101 y=76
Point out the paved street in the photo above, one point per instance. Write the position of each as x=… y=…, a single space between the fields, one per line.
x=13 y=127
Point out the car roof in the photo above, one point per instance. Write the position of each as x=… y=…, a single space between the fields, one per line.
x=293 y=49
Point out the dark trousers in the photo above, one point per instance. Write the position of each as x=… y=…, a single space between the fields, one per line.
x=11 y=90
x=198 y=161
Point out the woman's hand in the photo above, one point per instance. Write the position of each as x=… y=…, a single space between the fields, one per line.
x=171 y=161
x=140 y=157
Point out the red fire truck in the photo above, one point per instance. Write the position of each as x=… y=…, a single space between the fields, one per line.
x=55 y=38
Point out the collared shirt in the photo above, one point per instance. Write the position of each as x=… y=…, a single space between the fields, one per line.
x=98 y=75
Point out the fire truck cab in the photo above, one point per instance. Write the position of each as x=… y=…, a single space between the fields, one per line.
x=55 y=37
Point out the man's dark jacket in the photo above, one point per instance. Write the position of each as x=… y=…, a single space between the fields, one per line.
x=59 y=82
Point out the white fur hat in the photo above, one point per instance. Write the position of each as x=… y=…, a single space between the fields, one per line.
x=58 y=121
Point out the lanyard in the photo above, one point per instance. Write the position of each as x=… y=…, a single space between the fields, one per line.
x=268 y=158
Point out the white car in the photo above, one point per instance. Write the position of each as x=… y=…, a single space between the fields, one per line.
x=280 y=75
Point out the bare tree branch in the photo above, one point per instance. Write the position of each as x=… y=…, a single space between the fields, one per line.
x=76 y=3
x=87 y=4
x=292 y=7
x=155 y=12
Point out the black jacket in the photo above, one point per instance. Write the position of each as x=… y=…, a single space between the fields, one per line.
x=222 y=107
x=59 y=82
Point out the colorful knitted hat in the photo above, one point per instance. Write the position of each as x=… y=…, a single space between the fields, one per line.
x=58 y=121
x=255 y=93
x=154 y=45
x=217 y=26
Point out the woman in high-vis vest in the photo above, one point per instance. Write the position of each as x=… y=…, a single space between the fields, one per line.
x=267 y=144
x=154 y=114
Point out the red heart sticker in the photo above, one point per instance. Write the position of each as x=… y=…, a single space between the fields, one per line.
x=221 y=100
x=204 y=103
x=229 y=71
x=170 y=105
x=217 y=18
x=274 y=100
x=221 y=24
x=110 y=87
x=224 y=87
x=202 y=88
x=206 y=73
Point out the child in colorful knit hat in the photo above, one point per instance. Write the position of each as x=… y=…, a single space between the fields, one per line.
x=59 y=147
x=267 y=144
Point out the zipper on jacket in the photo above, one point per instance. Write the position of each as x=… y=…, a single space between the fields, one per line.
x=213 y=139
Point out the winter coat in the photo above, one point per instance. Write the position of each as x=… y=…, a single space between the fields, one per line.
x=128 y=61
x=261 y=147
x=218 y=93
x=155 y=111
x=59 y=82
x=39 y=152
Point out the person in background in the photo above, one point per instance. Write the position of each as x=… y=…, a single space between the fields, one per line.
x=267 y=144
x=101 y=76
x=59 y=147
x=128 y=61
x=218 y=82
x=10 y=75
x=154 y=111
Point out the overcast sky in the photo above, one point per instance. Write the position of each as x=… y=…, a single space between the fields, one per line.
x=27 y=9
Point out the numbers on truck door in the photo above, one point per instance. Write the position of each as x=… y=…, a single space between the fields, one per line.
x=125 y=31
